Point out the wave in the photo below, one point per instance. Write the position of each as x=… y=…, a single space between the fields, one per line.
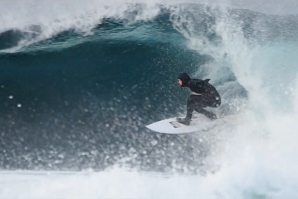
x=44 y=30
x=81 y=80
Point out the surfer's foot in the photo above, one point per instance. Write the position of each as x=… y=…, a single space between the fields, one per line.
x=184 y=121
x=213 y=117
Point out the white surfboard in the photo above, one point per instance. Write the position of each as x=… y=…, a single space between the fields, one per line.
x=171 y=126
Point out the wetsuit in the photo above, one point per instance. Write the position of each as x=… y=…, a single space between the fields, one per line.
x=203 y=95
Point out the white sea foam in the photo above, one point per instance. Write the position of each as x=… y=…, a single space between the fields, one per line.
x=43 y=19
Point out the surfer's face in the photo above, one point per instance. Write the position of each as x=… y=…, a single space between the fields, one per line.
x=180 y=82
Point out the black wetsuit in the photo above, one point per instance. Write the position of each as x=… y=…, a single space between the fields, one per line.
x=203 y=95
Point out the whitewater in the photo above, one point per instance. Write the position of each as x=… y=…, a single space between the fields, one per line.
x=247 y=48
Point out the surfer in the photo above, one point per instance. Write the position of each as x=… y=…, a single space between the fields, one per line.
x=203 y=95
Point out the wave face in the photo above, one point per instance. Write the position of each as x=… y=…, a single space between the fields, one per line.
x=80 y=81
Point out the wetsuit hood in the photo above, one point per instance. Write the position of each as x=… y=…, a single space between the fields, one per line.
x=184 y=77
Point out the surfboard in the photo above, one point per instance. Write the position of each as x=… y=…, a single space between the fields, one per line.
x=171 y=126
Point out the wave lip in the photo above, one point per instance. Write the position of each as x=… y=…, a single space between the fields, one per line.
x=48 y=20
x=25 y=23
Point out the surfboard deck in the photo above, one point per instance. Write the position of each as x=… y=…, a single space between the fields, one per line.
x=171 y=126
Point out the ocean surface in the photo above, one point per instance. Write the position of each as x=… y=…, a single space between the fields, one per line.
x=80 y=80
